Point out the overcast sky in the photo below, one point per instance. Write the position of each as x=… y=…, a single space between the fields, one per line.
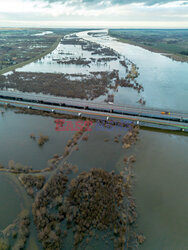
x=94 y=13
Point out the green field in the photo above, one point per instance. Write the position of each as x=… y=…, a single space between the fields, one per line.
x=173 y=43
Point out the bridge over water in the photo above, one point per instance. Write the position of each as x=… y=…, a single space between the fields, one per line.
x=162 y=119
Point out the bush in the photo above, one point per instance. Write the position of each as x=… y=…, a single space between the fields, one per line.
x=4 y=244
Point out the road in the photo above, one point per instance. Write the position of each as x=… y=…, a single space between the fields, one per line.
x=144 y=117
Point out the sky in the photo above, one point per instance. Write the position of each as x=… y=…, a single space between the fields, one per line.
x=94 y=13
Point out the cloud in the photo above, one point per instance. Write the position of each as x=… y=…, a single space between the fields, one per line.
x=99 y=13
x=112 y=2
x=146 y=2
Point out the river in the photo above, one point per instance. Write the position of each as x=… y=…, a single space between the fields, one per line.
x=161 y=168
x=161 y=172
x=165 y=81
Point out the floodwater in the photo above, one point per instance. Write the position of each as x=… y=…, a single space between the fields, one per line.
x=165 y=81
x=65 y=52
x=161 y=173
x=161 y=182
x=16 y=144
x=10 y=204
x=43 y=33
x=90 y=154
x=161 y=170
x=161 y=190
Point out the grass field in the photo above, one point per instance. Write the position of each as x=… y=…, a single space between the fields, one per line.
x=172 y=43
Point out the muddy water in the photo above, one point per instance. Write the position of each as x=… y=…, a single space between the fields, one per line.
x=161 y=190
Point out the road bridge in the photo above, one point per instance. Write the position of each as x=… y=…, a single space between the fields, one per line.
x=101 y=111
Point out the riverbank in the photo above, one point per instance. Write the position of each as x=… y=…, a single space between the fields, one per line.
x=173 y=56
x=19 y=65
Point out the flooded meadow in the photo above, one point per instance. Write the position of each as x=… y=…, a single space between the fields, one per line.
x=96 y=67
x=42 y=181
x=78 y=69
x=109 y=187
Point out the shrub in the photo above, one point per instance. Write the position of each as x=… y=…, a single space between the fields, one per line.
x=4 y=244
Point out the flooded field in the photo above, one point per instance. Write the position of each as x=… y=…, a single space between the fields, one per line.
x=77 y=56
x=66 y=159
x=44 y=171
x=15 y=133
x=165 y=81
x=79 y=69
x=99 y=68
x=159 y=185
